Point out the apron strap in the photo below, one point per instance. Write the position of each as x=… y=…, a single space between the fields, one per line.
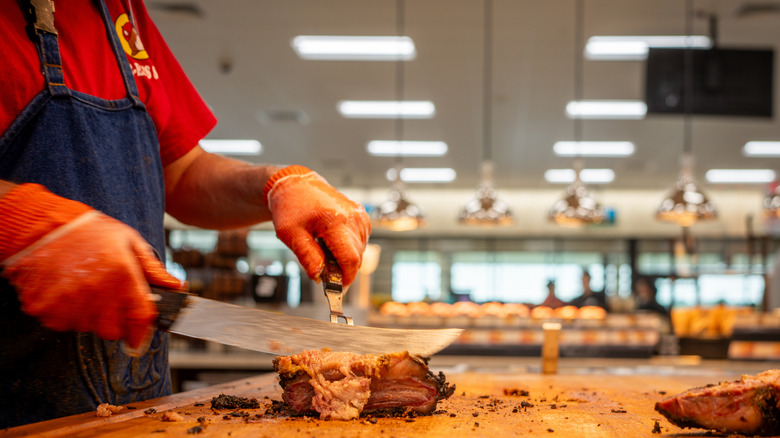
x=119 y=53
x=41 y=30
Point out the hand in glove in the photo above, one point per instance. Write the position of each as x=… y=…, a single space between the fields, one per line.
x=305 y=207
x=75 y=268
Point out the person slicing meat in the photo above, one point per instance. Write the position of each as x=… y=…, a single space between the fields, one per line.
x=93 y=151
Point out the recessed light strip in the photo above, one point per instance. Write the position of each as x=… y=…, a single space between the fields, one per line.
x=761 y=149
x=424 y=174
x=588 y=176
x=354 y=48
x=743 y=176
x=232 y=147
x=606 y=109
x=389 y=148
x=593 y=148
x=387 y=109
x=635 y=48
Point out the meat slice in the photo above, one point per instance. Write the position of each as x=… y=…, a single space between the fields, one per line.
x=341 y=386
x=748 y=406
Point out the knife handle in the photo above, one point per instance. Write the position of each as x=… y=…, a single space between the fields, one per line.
x=169 y=304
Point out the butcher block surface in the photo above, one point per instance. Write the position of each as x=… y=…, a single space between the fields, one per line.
x=484 y=404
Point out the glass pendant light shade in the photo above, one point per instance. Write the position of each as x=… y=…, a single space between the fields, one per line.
x=577 y=208
x=398 y=213
x=772 y=202
x=485 y=209
x=686 y=203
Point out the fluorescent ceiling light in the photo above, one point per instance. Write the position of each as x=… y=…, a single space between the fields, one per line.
x=354 y=48
x=387 y=109
x=593 y=148
x=606 y=109
x=588 y=176
x=761 y=149
x=232 y=147
x=407 y=148
x=731 y=176
x=635 y=48
x=424 y=174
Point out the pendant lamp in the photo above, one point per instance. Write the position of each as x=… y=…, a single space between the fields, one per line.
x=772 y=202
x=577 y=207
x=398 y=213
x=686 y=203
x=485 y=209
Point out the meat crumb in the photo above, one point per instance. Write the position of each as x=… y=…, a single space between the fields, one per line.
x=198 y=404
x=195 y=430
x=516 y=391
x=172 y=416
x=150 y=411
x=618 y=411
x=452 y=415
x=656 y=427
x=106 y=410
x=550 y=430
x=234 y=402
x=475 y=414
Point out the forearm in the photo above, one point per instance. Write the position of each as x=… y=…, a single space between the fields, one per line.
x=216 y=192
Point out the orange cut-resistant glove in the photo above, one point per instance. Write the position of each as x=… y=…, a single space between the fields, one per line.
x=75 y=268
x=305 y=207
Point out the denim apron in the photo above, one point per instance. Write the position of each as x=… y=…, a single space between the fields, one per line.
x=104 y=153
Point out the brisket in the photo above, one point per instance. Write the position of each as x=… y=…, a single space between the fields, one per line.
x=748 y=406
x=341 y=386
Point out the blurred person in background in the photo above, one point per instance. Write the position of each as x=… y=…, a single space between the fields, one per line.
x=552 y=300
x=589 y=297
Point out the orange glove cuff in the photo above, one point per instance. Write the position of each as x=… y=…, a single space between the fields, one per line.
x=281 y=173
x=30 y=211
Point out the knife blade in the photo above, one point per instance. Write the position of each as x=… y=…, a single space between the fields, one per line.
x=276 y=333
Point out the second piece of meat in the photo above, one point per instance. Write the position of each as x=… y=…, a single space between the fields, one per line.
x=749 y=406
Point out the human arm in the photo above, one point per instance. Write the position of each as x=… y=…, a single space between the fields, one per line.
x=213 y=191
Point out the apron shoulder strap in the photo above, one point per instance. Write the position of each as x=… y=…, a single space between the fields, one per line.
x=41 y=30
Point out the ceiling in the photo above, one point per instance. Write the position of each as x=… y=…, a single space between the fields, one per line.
x=238 y=55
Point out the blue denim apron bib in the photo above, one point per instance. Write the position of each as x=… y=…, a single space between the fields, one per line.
x=104 y=153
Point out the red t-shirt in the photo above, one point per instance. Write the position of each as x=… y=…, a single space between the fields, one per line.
x=89 y=66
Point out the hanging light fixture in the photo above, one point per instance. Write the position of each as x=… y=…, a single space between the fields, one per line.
x=686 y=203
x=577 y=207
x=772 y=201
x=485 y=209
x=398 y=213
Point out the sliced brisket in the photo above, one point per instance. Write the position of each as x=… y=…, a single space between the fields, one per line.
x=341 y=386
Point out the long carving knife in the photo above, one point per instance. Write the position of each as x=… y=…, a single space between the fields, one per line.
x=275 y=333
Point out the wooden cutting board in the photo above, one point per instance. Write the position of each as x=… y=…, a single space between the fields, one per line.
x=563 y=406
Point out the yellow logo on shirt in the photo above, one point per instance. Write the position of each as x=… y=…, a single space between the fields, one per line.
x=129 y=38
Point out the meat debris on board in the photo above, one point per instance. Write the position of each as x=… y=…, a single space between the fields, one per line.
x=341 y=385
x=748 y=406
